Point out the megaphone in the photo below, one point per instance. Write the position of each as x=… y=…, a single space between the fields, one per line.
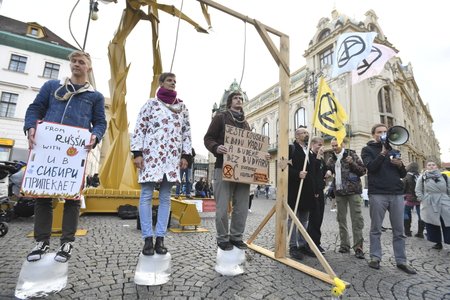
x=396 y=135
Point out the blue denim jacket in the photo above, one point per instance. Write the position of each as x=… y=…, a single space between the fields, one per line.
x=86 y=109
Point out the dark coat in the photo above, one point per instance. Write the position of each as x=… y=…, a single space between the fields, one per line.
x=383 y=176
x=297 y=155
x=215 y=135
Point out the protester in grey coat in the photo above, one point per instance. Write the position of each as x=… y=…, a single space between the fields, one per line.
x=433 y=191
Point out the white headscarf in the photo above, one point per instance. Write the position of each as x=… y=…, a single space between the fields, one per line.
x=338 y=170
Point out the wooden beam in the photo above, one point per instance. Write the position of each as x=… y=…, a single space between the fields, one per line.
x=310 y=242
x=296 y=265
x=271 y=46
x=238 y=15
x=261 y=226
x=283 y=142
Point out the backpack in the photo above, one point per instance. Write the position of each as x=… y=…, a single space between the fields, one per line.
x=127 y=211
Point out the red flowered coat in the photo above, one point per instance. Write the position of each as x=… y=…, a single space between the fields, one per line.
x=162 y=135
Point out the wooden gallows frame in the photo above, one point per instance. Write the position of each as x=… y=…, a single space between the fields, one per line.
x=281 y=209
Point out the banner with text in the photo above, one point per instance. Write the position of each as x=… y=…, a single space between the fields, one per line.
x=57 y=162
x=246 y=160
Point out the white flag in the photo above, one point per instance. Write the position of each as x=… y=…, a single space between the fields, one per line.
x=373 y=64
x=351 y=49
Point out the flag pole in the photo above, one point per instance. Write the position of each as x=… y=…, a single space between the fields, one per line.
x=350 y=95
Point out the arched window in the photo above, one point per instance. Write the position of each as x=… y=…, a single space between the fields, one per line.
x=326 y=57
x=265 y=129
x=385 y=106
x=300 y=118
x=323 y=34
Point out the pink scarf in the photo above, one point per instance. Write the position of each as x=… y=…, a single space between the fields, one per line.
x=168 y=96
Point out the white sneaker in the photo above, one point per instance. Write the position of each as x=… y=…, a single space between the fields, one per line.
x=64 y=252
x=38 y=251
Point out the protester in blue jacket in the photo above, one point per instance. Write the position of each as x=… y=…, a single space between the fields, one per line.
x=72 y=101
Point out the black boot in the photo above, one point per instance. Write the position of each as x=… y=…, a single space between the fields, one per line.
x=159 y=245
x=407 y=224
x=421 y=226
x=148 y=247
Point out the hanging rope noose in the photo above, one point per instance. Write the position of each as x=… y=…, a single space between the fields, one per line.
x=176 y=36
x=245 y=50
x=70 y=24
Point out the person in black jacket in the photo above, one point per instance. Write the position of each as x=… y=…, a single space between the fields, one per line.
x=297 y=153
x=385 y=170
x=316 y=214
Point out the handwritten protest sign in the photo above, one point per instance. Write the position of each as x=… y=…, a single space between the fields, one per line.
x=57 y=162
x=246 y=158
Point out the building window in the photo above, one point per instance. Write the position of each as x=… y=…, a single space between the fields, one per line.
x=300 y=118
x=385 y=107
x=277 y=130
x=265 y=129
x=34 y=31
x=326 y=57
x=51 y=70
x=8 y=104
x=17 y=63
x=324 y=34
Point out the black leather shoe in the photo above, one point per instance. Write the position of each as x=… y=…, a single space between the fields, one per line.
x=295 y=253
x=374 y=264
x=225 y=246
x=307 y=251
x=159 y=245
x=321 y=250
x=407 y=269
x=148 y=247
x=438 y=246
x=239 y=244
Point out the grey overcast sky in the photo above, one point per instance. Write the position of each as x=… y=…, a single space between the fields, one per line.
x=206 y=64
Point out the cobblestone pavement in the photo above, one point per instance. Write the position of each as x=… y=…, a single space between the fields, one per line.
x=104 y=262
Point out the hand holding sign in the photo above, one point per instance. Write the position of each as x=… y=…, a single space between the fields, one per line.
x=57 y=160
x=245 y=156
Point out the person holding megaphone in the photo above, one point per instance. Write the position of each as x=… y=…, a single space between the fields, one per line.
x=384 y=171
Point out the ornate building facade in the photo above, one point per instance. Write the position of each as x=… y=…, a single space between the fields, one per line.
x=391 y=98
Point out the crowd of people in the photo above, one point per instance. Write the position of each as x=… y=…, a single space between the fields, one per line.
x=392 y=187
x=163 y=154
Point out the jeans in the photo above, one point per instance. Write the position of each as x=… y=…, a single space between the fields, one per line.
x=43 y=218
x=297 y=239
x=378 y=205
x=408 y=211
x=187 y=183
x=145 y=208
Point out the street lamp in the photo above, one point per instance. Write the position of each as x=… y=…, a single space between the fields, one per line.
x=311 y=86
x=93 y=14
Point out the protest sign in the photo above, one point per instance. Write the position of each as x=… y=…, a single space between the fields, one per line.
x=245 y=160
x=57 y=162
